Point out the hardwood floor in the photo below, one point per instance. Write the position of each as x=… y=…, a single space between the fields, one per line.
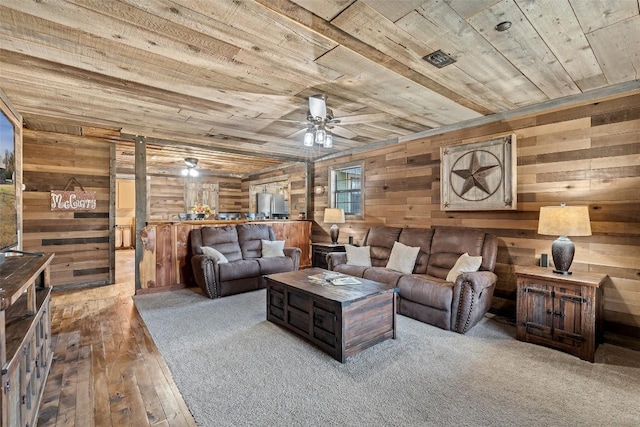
x=106 y=369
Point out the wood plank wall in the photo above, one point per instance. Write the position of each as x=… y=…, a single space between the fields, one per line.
x=166 y=195
x=231 y=197
x=587 y=154
x=80 y=240
x=297 y=176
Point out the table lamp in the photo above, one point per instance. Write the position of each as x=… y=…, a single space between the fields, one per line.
x=335 y=216
x=564 y=221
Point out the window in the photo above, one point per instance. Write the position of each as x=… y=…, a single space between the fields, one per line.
x=346 y=188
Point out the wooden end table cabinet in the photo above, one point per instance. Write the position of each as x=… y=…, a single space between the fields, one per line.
x=562 y=312
x=340 y=320
x=320 y=251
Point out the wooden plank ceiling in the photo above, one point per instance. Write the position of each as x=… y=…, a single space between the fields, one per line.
x=228 y=80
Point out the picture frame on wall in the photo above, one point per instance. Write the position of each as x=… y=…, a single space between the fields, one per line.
x=479 y=176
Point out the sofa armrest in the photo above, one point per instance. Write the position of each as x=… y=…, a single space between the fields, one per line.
x=336 y=258
x=478 y=280
x=472 y=293
x=205 y=272
x=295 y=254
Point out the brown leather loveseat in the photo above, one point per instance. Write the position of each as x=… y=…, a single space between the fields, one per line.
x=242 y=265
x=425 y=294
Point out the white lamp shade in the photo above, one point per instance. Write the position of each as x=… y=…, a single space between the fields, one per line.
x=564 y=221
x=334 y=216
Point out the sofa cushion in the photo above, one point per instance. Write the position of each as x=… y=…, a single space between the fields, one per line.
x=271 y=265
x=382 y=275
x=351 y=270
x=448 y=244
x=250 y=237
x=272 y=248
x=215 y=254
x=358 y=256
x=381 y=240
x=464 y=264
x=240 y=269
x=402 y=258
x=224 y=239
x=418 y=237
x=426 y=290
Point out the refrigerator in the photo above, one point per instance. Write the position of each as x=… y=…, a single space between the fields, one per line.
x=272 y=205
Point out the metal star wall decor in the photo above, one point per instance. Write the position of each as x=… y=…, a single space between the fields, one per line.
x=479 y=176
x=476 y=176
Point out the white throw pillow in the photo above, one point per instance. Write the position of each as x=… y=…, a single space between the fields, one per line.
x=214 y=253
x=358 y=255
x=272 y=248
x=403 y=258
x=464 y=264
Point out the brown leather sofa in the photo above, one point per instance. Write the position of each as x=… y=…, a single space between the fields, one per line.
x=425 y=295
x=242 y=246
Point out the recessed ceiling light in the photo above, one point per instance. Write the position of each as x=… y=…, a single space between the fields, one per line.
x=503 y=26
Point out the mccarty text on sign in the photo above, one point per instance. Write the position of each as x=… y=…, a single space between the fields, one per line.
x=73 y=200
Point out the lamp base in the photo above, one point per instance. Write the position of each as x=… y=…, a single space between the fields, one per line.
x=334 y=231
x=562 y=251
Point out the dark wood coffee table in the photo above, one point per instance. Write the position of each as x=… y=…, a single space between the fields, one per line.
x=341 y=320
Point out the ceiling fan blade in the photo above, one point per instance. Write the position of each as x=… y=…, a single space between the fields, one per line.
x=296 y=133
x=343 y=132
x=318 y=106
x=363 y=118
x=298 y=122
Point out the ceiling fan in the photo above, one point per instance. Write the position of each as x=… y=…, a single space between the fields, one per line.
x=319 y=117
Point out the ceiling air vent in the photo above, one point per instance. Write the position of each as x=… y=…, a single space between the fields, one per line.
x=439 y=59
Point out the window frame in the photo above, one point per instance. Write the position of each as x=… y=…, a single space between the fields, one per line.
x=332 y=190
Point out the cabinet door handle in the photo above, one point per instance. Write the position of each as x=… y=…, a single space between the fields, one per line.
x=555 y=313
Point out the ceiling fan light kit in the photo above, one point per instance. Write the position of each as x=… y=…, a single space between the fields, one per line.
x=318 y=117
x=190 y=167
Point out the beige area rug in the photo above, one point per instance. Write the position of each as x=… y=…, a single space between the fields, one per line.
x=236 y=369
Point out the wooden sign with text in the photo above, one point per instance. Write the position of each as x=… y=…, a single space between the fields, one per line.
x=73 y=200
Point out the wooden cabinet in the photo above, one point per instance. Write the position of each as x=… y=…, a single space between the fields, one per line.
x=25 y=348
x=563 y=312
x=320 y=251
x=125 y=194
